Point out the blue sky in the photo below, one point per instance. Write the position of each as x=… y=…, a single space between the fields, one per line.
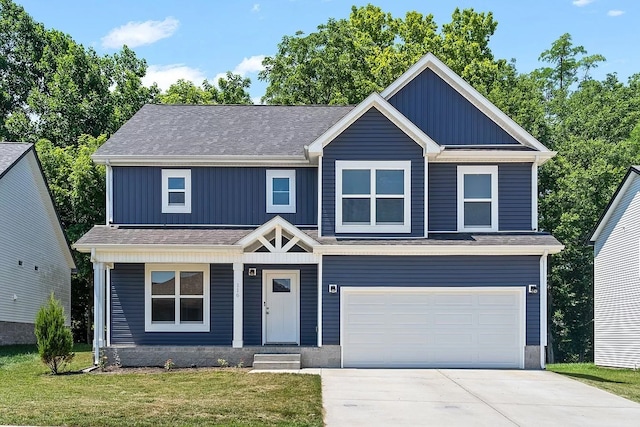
x=198 y=39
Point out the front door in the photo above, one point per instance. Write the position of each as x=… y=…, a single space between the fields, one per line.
x=281 y=306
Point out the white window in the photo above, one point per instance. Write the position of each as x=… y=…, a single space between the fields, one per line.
x=478 y=198
x=176 y=298
x=176 y=191
x=373 y=197
x=281 y=191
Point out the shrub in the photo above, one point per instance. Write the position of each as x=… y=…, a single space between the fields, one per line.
x=55 y=341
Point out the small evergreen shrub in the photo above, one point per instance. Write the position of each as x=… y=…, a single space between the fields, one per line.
x=55 y=341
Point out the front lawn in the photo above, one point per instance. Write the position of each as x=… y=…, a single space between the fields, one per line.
x=30 y=395
x=623 y=382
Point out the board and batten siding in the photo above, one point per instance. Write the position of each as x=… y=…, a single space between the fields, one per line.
x=514 y=196
x=428 y=271
x=617 y=284
x=252 y=304
x=28 y=234
x=127 y=310
x=373 y=137
x=219 y=195
x=445 y=115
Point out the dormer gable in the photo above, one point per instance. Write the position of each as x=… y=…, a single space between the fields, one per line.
x=377 y=102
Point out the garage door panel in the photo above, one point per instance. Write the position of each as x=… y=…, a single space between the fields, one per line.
x=426 y=327
x=458 y=319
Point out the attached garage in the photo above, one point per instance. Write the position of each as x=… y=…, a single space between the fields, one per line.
x=465 y=327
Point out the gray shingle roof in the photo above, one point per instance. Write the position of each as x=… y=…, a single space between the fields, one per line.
x=10 y=152
x=240 y=130
x=450 y=239
x=103 y=235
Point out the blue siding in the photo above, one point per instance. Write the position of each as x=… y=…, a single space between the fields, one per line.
x=252 y=326
x=434 y=271
x=220 y=195
x=127 y=310
x=445 y=115
x=443 y=204
x=514 y=196
x=373 y=137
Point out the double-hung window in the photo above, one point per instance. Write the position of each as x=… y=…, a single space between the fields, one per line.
x=477 y=198
x=176 y=191
x=281 y=191
x=176 y=298
x=373 y=196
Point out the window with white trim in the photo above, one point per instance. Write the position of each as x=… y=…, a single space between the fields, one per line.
x=477 y=198
x=176 y=191
x=373 y=196
x=176 y=298
x=281 y=191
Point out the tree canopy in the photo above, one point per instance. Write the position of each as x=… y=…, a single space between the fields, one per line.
x=231 y=89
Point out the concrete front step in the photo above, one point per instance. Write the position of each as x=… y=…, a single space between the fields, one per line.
x=276 y=361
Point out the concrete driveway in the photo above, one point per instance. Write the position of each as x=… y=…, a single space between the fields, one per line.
x=449 y=397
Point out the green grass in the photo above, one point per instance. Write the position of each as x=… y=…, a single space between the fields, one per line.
x=623 y=382
x=30 y=395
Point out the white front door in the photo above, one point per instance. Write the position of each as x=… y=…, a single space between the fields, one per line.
x=281 y=306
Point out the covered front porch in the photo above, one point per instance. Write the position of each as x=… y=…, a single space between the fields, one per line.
x=206 y=294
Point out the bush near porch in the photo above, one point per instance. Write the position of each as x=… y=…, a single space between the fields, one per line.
x=29 y=395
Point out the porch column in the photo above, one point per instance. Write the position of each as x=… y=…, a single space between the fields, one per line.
x=238 y=269
x=98 y=309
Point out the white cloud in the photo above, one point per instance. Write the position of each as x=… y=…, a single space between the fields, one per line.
x=581 y=3
x=166 y=75
x=140 y=33
x=255 y=8
x=615 y=12
x=253 y=64
x=257 y=100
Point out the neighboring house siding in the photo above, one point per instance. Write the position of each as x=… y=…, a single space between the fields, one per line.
x=28 y=234
x=252 y=309
x=514 y=196
x=219 y=195
x=127 y=310
x=445 y=115
x=373 y=137
x=617 y=284
x=428 y=271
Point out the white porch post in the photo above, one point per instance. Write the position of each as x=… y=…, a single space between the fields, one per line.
x=98 y=310
x=238 y=269
x=319 y=327
x=543 y=309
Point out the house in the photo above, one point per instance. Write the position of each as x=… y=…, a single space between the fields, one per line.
x=399 y=232
x=35 y=259
x=616 y=286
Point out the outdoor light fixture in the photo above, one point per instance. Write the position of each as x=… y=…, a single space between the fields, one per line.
x=533 y=289
x=252 y=272
x=333 y=289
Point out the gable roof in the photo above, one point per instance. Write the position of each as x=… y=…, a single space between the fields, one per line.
x=615 y=200
x=379 y=103
x=11 y=153
x=431 y=62
x=220 y=130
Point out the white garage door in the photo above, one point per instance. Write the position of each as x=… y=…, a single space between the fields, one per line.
x=433 y=327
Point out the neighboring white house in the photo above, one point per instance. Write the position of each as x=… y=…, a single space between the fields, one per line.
x=617 y=277
x=35 y=258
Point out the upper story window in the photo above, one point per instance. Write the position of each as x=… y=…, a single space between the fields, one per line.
x=373 y=196
x=281 y=191
x=478 y=198
x=176 y=191
x=176 y=298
